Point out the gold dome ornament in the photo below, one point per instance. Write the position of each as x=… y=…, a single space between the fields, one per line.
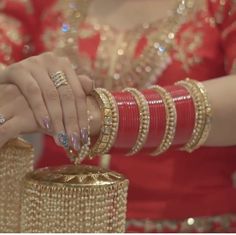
x=16 y=159
x=74 y=198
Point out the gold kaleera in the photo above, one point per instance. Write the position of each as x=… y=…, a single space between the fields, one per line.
x=16 y=159
x=74 y=198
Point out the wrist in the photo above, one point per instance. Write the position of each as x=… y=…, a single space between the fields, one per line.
x=96 y=116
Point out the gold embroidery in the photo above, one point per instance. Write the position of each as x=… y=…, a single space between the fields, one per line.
x=11 y=29
x=115 y=65
x=185 y=50
x=219 y=14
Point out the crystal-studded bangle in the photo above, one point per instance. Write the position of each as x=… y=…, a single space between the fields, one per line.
x=207 y=112
x=144 y=120
x=191 y=145
x=171 y=120
x=110 y=122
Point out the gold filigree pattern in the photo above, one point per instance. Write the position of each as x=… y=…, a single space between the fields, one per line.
x=75 y=175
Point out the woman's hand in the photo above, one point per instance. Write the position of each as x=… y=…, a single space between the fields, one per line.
x=15 y=110
x=61 y=111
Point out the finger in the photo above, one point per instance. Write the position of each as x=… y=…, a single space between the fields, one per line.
x=32 y=92
x=87 y=84
x=80 y=99
x=67 y=101
x=53 y=104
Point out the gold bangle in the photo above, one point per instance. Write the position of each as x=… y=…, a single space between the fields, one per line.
x=144 y=120
x=115 y=120
x=190 y=146
x=110 y=122
x=171 y=120
x=207 y=113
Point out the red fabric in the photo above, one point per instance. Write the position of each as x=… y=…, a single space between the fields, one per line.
x=175 y=185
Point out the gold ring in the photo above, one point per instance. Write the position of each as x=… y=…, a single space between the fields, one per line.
x=59 y=79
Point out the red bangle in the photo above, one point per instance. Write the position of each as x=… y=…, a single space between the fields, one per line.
x=185 y=114
x=157 y=120
x=128 y=121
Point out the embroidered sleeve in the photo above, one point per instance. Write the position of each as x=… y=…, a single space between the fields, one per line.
x=224 y=13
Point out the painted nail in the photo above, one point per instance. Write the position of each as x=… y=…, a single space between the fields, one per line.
x=84 y=135
x=47 y=123
x=62 y=140
x=74 y=138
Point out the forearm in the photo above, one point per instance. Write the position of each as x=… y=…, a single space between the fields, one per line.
x=222 y=96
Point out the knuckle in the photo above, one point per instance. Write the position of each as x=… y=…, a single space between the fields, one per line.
x=65 y=61
x=13 y=71
x=52 y=95
x=33 y=60
x=48 y=56
x=12 y=90
x=67 y=94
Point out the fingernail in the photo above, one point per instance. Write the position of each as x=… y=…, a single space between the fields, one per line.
x=74 y=138
x=47 y=123
x=62 y=140
x=84 y=135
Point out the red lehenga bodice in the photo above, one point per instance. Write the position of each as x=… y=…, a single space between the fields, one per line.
x=175 y=185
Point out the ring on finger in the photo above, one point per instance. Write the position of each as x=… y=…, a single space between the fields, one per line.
x=2 y=119
x=59 y=79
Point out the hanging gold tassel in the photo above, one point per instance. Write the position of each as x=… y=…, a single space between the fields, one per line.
x=16 y=159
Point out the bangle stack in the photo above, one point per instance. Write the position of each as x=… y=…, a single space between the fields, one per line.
x=153 y=120
x=203 y=114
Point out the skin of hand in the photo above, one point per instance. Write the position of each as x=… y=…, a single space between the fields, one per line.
x=61 y=111
x=20 y=117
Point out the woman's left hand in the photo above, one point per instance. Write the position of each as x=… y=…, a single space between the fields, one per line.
x=16 y=117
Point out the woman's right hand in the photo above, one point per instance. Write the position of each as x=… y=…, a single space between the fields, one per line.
x=61 y=111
